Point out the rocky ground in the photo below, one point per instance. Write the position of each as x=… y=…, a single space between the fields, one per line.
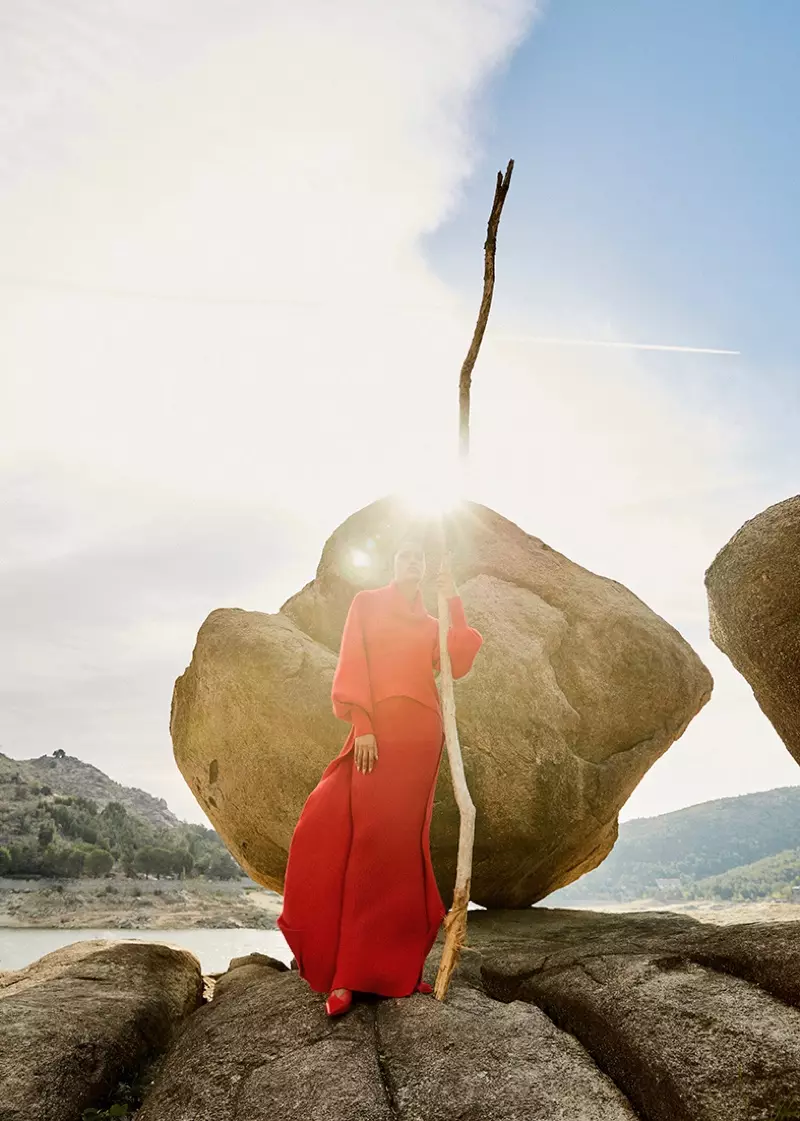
x=552 y=1016
x=136 y=905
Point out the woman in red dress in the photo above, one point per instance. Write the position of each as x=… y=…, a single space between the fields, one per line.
x=361 y=908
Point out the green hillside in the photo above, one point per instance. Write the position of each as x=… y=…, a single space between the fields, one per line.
x=770 y=878
x=693 y=845
x=61 y=817
x=69 y=775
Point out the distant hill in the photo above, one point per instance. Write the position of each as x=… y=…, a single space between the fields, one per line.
x=696 y=846
x=62 y=817
x=69 y=775
x=770 y=877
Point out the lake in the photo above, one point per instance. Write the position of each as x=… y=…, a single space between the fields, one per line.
x=214 y=948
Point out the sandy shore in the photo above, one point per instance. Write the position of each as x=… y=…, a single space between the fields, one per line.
x=136 y=905
x=708 y=910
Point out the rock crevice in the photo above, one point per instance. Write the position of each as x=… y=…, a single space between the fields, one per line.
x=683 y=1017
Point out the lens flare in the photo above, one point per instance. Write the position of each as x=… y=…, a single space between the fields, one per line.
x=360 y=559
x=437 y=495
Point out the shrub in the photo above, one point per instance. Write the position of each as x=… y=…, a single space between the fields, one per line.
x=97 y=862
x=75 y=862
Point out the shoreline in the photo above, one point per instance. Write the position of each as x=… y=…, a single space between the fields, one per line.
x=122 y=904
x=717 y=911
x=116 y=903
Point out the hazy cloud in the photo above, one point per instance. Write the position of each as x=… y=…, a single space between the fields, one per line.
x=219 y=336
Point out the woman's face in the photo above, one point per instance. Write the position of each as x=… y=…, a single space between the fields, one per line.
x=409 y=564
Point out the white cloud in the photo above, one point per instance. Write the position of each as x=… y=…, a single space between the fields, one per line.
x=220 y=322
x=224 y=337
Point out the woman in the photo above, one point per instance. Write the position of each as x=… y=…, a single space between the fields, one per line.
x=361 y=908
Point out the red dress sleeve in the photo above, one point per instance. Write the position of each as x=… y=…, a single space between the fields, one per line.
x=351 y=693
x=362 y=724
x=463 y=641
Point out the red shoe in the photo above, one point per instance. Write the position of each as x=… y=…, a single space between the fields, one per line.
x=423 y=987
x=336 y=1005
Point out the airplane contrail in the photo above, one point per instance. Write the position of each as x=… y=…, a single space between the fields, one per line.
x=125 y=293
x=621 y=345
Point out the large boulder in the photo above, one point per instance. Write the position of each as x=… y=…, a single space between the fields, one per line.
x=753 y=589
x=578 y=689
x=550 y=1016
x=75 y=1022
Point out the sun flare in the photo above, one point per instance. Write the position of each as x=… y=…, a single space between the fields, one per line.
x=438 y=494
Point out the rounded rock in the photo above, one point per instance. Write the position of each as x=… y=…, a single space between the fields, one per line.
x=579 y=688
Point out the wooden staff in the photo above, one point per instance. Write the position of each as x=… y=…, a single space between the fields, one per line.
x=455 y=923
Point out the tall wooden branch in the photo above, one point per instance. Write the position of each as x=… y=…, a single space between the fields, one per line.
x=489 y=250
x=455 y=923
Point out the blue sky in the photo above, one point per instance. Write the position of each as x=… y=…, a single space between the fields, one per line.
x=241 y=263
x=657 y=150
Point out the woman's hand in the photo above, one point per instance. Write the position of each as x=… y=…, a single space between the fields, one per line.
x=444 y=581
x=366 y=753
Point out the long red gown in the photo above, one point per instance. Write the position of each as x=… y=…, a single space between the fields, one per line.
x=361 y=908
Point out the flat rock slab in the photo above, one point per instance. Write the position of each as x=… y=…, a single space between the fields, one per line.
x=76 y=1021
x=265 y=1048
x=476 y=1059
x=692 y=1022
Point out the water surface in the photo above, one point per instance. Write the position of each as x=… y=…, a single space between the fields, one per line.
x=214 y=948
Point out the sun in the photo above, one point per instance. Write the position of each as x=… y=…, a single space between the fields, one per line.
x=439 y=493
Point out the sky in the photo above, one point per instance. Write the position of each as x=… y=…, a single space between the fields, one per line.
x=242 y=253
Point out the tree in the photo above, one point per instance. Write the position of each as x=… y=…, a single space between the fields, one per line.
x=59 y=753
x=55 y=861
x=128 y=864
x=65 y=819
x=201 y=865
x=182 y=862
x=75 y=862
x=97 y=862
x=154 y=861
x=87 y=804
x=26 y=859
x=223 y=867
x=114 y=812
